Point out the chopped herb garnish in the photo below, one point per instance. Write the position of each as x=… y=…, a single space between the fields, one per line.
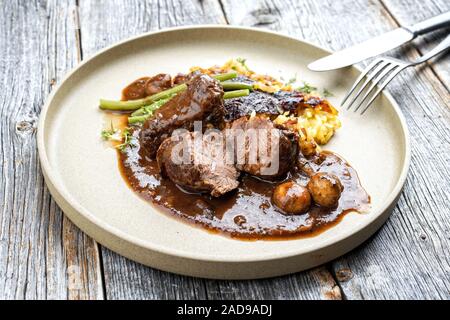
x=109 y=134
x=242 y=62
x=127 y=140
x=292 y=80
x=326 y=93
x=306 y=88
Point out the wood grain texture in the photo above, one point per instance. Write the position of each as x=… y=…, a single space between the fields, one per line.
x=125 y=279
x=121 y=19
x=409 y=257
x=407 y=12
x=317 y=283
x=42 y=254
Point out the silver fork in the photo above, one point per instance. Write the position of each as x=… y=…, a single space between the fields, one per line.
x=386 y=69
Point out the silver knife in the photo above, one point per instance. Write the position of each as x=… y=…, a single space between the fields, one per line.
x=379 y=44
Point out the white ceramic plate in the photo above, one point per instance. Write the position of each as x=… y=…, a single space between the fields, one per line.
x=83 y=177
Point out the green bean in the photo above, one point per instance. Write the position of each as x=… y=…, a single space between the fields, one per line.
x=138 y=119
x=150 y=108
x=227 y=86
x=132 y=105
x=225 y=76
x=236 y=94
x=141 y=111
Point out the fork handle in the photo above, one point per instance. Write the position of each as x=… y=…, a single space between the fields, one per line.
x=431 y=24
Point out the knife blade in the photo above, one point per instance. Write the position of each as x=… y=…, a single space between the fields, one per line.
x=362 y=51
x=379 y=44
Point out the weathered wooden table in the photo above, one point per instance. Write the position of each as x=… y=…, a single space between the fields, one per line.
x=44 y=256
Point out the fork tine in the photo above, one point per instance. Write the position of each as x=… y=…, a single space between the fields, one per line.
x=361 y=76
x=375 y=83
x=380 y=88
x=380 y=68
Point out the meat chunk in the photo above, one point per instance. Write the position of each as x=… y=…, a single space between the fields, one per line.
x=135 y=90
x=257 y=101
x=158 y=83
x=291 y=198
x=325 y=189
x=181 y=78
x=202 y=101
x=272 y=104
x=262 y=149
x=297 y=101
x=289 y=100
x=197 y=166
x=147 y=86
x=206 y=163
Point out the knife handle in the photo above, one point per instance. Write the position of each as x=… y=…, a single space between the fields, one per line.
x=431 y=24
x=441 y=47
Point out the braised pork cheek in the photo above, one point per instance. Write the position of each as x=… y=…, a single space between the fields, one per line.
x=158 y=83
x=257 y=101
x=271 y=155
x=147 y=86
x=199 y=167
x=271 y=104
x=135 y=90
x=201 y=101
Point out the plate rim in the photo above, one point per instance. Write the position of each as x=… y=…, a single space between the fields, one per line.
x=91 y=218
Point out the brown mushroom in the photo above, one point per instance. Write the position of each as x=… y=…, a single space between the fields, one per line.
x=325 y=189
x=291 y=198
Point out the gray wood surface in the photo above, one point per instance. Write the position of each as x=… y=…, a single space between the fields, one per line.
x=42 y=255
x=407 y=12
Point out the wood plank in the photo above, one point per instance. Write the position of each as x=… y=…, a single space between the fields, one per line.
x=407 y=12
x=42 y=255
x=125 y=279
x=123 y=19
x=409 y=257
x=317 y=283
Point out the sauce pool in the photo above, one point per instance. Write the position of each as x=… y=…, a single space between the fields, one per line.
x=246 y=213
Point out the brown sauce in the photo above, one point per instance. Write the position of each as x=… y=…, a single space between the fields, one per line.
x=246 y=213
